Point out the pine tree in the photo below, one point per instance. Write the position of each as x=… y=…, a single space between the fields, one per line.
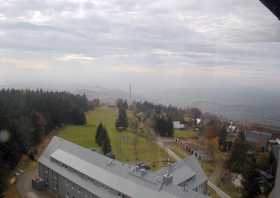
x=163 y=126
x=122 y=121
x=122 y=104
x=39 y=124
x=238 y=155
x=251 y=176
x=223 y=137
x=106 y=144
x=28 y=115
x=102 y=139
x=170 y=129
x=98 y=134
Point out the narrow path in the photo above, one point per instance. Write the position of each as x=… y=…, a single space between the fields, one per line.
x=219 y=192
x=167 y=149
x=25 y=189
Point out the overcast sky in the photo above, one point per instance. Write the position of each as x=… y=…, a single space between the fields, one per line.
x=151 y=44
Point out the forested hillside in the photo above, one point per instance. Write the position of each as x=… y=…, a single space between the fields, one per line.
x=27 y=116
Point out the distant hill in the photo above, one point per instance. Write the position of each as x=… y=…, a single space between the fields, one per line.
x=104 y=94
x=265 y=115
x=247 y=104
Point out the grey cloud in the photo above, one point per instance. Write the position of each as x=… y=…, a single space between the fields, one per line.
x=230 y=34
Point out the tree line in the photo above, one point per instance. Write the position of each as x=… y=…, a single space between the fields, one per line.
x=244 y=160
x=160 y=116
x=26 y=116
x=150 y=110
x=122 y=120
x=163 y=126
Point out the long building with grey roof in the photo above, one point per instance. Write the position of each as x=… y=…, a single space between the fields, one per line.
x=72 y=171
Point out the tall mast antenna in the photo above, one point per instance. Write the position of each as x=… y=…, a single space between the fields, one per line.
x=130 y=94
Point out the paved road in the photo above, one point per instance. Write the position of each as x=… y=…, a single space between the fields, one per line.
x=219 y=192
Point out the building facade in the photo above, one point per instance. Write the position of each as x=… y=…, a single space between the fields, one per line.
x=178 y=125
x=71 y=171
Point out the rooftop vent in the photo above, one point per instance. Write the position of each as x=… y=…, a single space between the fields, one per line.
x=139 y=170
x=166 y=180
x=142 y=171
x=110 y=163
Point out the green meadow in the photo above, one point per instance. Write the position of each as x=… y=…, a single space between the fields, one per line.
x=127 y=146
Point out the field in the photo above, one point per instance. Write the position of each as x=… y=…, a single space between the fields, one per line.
x=127 y=146
x=186 y=133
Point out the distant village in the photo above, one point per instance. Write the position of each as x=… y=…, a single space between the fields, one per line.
x=259 y=146
x=262 y=143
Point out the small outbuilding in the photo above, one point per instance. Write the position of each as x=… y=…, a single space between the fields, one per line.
x=178 y=125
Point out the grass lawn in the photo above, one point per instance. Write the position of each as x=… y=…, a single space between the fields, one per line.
x=82 y=135
x=178 y=150
x=186 y=134
x=123 y=143
x=208 y=167
x=230 y=189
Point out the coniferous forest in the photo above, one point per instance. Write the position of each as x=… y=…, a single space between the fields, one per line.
x=26 y=116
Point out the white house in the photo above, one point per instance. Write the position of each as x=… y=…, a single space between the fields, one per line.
x=178 y=125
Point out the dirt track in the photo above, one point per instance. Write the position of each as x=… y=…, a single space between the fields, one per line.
x=25 y=189
x=24 y=186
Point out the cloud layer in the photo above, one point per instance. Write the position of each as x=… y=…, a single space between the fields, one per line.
x=114 y=42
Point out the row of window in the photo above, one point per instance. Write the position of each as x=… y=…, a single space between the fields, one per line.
x=93 y=181
x=201 y=188
x=54 y=180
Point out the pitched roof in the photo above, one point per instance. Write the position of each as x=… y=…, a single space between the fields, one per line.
x=113 y=173
x=187 y=167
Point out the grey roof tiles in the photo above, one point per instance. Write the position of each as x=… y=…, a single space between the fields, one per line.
x=119 y=176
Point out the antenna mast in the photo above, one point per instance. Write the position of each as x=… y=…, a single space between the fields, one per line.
x=130 y=94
